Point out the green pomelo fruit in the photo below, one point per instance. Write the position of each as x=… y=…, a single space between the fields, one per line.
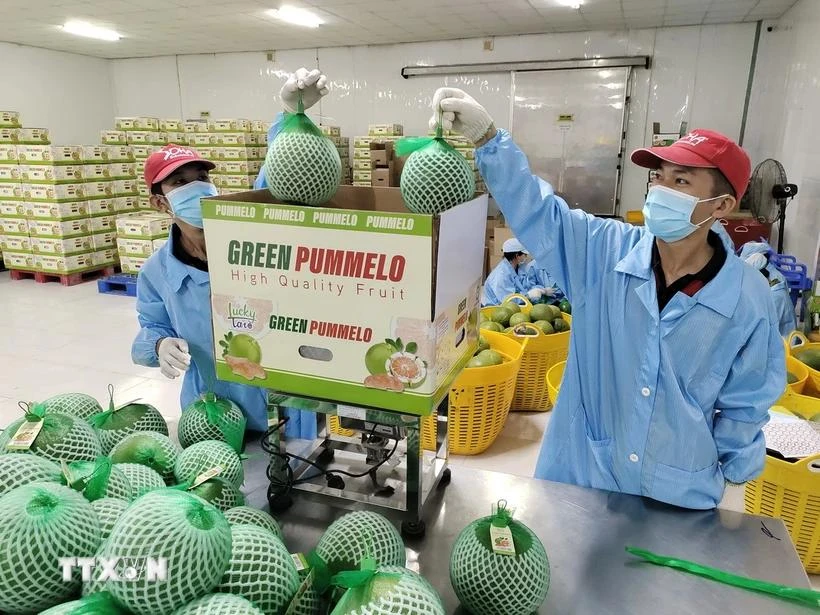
x=245 y=515
x=501 y=315
x=155 y=450
x=545 y=326
x=203 y=456
x=142 y=478
x=117 y=424
x=809 y=356
x=376 y=358
x=436 y=178
x=220 y=493
x=490 y=357
x=541 y=311
x=78 y=405
x=491 y=326
x=62 y=437
x=512 y=306
x=790 y=377
x=303 y=168
x=244 y=346
x=483 y=344
x=18 y=470
x=359 y=535
x=560 y=325
x=219 y=604
x=116 y=485
x=195 y=424
x=565 y=306
x=109 y=511
x=517 y=319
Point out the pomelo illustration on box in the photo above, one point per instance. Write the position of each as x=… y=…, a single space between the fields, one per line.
x=367 y=306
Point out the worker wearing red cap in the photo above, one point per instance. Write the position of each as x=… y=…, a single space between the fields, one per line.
x=173 y=287
x=675 y=356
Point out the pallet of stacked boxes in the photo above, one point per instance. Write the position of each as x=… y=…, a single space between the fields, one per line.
x=139 y=235
x=15 y=242
x=233 y=148
x=361 y=162
x=334 y=133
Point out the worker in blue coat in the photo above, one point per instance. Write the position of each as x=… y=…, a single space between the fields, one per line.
x=540 y=284
x=756 y=254
x=173 y=287
x=675 y=358
x=509 y=275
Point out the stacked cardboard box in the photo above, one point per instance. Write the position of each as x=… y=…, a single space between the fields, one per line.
x=15 y=243
x=383 y=165
x=362 y=163
x=500 y=234
x=467 y=149
x=144 y=135
x=236 y=146
x=334 y=133
x=139 y=235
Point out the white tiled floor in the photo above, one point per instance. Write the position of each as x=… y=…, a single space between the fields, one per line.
x=56 y=339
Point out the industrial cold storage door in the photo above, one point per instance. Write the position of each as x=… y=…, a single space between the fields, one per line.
x=570 y=124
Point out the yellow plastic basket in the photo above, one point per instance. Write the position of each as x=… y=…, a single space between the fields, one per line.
x=428 y=430
x=791 y=491
x=554 y=377
x=480 y=398
x=801 y=371
x=798 y=341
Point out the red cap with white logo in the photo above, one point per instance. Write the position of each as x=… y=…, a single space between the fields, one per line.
x=161 y=164
x=704 y=149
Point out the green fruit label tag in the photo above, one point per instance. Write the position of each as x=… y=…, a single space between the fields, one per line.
x=502 y=540
x=300 y=561
x=25 y=436
x=206 y=476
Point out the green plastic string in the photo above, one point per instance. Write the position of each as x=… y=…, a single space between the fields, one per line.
x=94 y=486
x=502 y=515
x=360 y=585
x=101 y=418
x=35 y=412
x=409 y=145
x=320 y=571
x=94 y=604
x=299 y=122
x=798 y=594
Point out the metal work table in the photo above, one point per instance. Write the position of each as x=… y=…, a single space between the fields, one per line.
x=585 y=532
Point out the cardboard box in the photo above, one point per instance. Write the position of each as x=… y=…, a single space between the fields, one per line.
x=33 y=136
x=96 y=189
x=15 y=243
x=361 y=183
x=12 y=209
x=198 y=139
x=230 y=139
x=176 y=137
x=383 y=177
x=105 y=206
x=104 y=257
x=104 y=240
x=146 y=137
x=139 y=123
x=73 y=245
x=235 y=181
x=54 y=192
x=233 y=167
x=10 y=173
x=119 y=153
x=229 y=125
x=21 y=261
x=502 y=234
x=230 y=154
x=55 y=263
x=362 y=153
x=143 y=190
x=96 y=172
x=362 y=164
x=331 y=131
x=9 y=191
x=126 y=204
x=9 y=119
x=381 y=154
x=362 y=175
x=58 y=228
x=344 y=278
x=8 y=153
x=171 y=125
x=131 y=264
x=113 y=137
x=97 y=224
x=385 y=130
x=141 y=152
x=58 y=211
x=54 y=154
x=51 y=174
x=144 y=226
x=126 y=187
x=135 y=247
x=9 y=135
x=191 y=126
x=13 y=226
x=122 y=170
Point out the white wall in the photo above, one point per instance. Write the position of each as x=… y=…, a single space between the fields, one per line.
x=685 y=83
x=67 y=93
x=783 y=118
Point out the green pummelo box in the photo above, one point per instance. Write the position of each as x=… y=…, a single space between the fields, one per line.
x=359 y=301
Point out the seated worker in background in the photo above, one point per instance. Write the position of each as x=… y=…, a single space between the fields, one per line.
x=755 y=253
x=675 y=356
x=508 y=277
x=540 y=284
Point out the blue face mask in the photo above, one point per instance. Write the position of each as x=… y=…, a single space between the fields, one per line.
x=185 y=201
x=668 y=213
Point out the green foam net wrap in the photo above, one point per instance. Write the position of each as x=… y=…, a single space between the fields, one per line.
x=115 y=424
x=96 y=604
x=62 y=437
x=154 y=450
x=261 y=569
x=435 y=177
x=302 y=165
x=18 y=470
x=220 y=604
x=78 y=405
x=97 y=479
x=218 y=492
x=202 y=456
x=212 y=418
x=41 y=523
x=245 y=515
x=190 y=534
x=488 y=583
x=359 y=535
x=109 y=511
x=141 y=478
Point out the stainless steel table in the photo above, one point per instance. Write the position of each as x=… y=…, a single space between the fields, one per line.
x=585 y=532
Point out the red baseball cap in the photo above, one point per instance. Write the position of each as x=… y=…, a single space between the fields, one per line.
x=705 y=149
x=161 y=164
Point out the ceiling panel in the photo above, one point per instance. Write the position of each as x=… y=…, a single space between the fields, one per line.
x=161 y=27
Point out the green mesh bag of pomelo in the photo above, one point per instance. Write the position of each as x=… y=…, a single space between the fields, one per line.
x=203 y=456
x=149 y=448
x=190 y=535
x=42 y=523
x=212 y=418
x=116 y=423
x=56 y=436
x=109 y=511
x=261 y=569
x=220 y=604
x=245 y=515
x=491 y=580
x=18 y=470
x=97 y=479
x=142 y=478
x=302 y=165
x=357 y=535
x=74 y=404
x=96 y=604
x=385 y=590
x=435 y=177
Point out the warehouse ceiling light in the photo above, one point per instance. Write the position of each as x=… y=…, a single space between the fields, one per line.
x=296 y=16
x=83 y=28
x=573 y=4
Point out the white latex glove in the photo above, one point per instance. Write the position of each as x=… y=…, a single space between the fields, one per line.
x=535 y=294
x=313 y=85
x=757 y=260
x=173 y=357
x=460 y=112
x=549 y=292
